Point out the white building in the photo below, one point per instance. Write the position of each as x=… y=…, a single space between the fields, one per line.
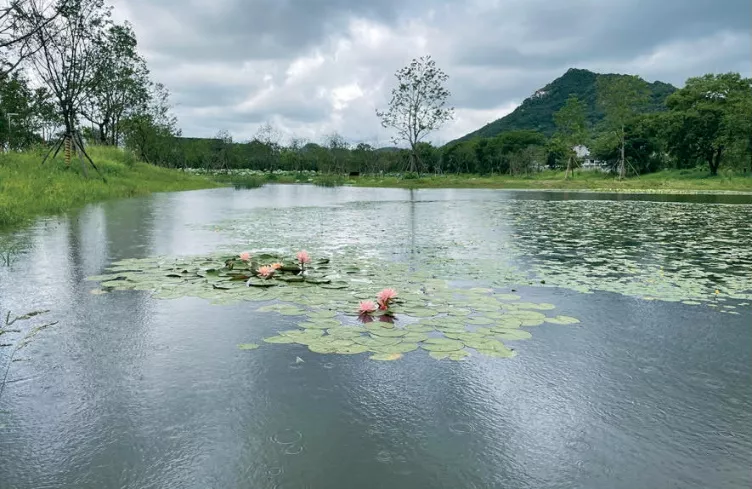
x=588 y=162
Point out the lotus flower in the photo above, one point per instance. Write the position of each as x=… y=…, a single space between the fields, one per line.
x=367 y=307
x=266 y=271
x=245 y=256
x=303 y=257
x=276 y=266
x=385 y=297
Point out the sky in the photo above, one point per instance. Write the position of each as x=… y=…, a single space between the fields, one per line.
x=312 y=68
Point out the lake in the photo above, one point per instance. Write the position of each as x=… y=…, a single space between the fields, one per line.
x=650 y=387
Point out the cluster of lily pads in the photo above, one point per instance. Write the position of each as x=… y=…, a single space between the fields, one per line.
x=426 y=314
x=675 y=252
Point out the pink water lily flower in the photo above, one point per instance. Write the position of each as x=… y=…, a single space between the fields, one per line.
x=303 y=257
x=367 y=307
x=266 y=271
x=245 y=256
x=385 y=297
x=276 y=266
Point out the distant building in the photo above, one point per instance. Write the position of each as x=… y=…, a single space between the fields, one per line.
x=588 y=162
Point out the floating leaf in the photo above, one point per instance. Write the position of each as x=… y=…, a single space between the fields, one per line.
x=442 y=344
x=279 y=340
x=562 y=320
x=248 y=346
x=386 y=357
x=513 y=334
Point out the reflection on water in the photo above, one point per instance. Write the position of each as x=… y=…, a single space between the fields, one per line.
x=132 y=392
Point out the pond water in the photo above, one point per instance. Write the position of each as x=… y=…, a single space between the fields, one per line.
x=134 y=389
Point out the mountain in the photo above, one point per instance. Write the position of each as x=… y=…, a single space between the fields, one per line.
x=537 y=111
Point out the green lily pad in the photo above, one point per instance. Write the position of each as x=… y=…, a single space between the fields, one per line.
x=321 y=314
x=532 y=322
x=248 y=346
x=398 y=348
x=513 y=334
x=498 y=354
x=419 y=328
x=562 y=320
x=450 y=355
x=387 y=332
x=279 y=340
x=442 y=344
x=377 y=341
x=480 y=320
x=412 y=337
x=354 y=349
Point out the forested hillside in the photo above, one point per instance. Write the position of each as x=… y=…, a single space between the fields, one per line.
x=536 y=112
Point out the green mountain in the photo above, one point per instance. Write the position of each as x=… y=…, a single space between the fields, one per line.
x=537 y=111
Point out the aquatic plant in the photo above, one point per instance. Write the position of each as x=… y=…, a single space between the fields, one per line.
x=276 y=265
x=367 y=307
x=447 y=323
x=266 y=271
x=245 y=256
x=385 y=297
x=303 y=258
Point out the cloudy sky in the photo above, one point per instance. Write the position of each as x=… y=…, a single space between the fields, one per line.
x=315 y=67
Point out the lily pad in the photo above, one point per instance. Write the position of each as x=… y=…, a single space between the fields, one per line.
x=279 y=340
x=442 y=344
x=513 y=334
x=386 y=357
x=562 y=320
x=248 y=346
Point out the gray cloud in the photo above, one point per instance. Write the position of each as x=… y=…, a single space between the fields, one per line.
x=313 y=67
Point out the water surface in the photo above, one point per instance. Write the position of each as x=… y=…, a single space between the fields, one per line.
x=129 y=391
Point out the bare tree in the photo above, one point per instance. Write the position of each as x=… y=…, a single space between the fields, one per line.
x=418 y=104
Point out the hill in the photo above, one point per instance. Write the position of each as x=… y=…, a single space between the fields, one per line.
x=537 y=111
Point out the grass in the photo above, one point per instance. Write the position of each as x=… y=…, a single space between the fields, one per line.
x=664 y=181
x=29 y=190
x=329 y=180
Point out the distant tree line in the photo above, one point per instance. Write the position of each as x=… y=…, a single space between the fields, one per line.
x=91 y=79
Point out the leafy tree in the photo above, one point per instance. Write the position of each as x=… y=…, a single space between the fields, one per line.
x=119 y=85
x=64 y=55
x=20 y=20
x=622 y=99
x=152 y=134
x=418 y=104
x=571 y=130
x=709 y=115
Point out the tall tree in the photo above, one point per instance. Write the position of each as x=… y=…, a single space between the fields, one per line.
x=418 y=104
x=622 y=98
x=571 y=130
x=119 y=84
x=64 y=55
x=20 y=20
x=708 y=115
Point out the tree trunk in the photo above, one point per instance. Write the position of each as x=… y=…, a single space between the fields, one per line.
x=715 y=161
x=622 y=159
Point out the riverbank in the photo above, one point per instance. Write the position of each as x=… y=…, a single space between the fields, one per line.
x=673 y=181
x=29 y=189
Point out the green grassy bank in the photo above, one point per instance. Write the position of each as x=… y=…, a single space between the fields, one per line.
x=29 y=190
x=664 y=181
